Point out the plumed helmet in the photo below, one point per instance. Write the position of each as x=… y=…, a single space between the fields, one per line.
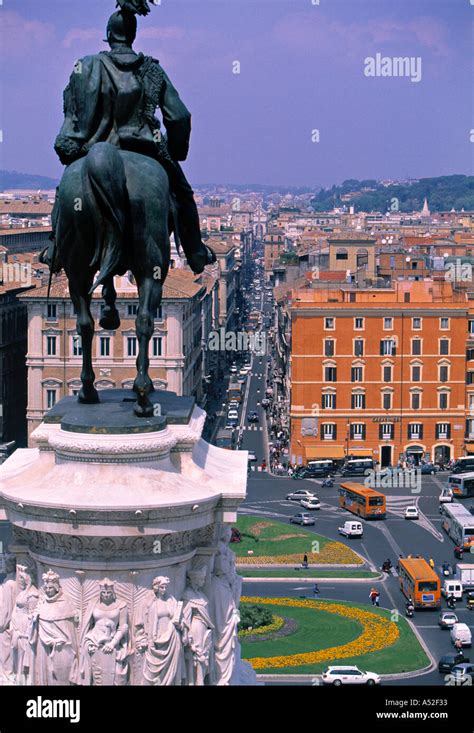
x=122 y=27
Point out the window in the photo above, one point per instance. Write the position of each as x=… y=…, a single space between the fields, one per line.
x=76 y=346
x=471 y=401
x=444 y=347
x=330 y=374
x=159 y=314
x=469 y=377
x=387 y=401
x=387 y=347
x=387 y=374
x=443 y=400
x=416 y=324
x=443 y=373
x=415 y=431
x=471 y=326
x=392 y=261
x=132 y=310
x=415 y=400
x=105 y=346
x=358 y=431
x=157 y=346
x=388 y=324
x=358 y=324
x=329 y=324
x=50 y=398
x=51 y=345
x=444 y=324
x=357 y=374
x=52 y=312
x=358 y=347
x=329 y=347
x=415 y=373
x=341 y=254
x=358 y=401
x=416 y=347
x=131 y=346
x=386 y=431
x=443 y=431
x=406 y=297
x=328 y=431
x=329 y=401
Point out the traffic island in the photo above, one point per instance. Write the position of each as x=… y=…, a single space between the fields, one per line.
x=333 y=633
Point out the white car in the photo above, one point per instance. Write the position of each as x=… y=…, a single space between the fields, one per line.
x=349 y=676
x=233 y=405
x=244 y=371
x=232 y=415
x=411 y=512
x=233 y=369
x=446 y=496
x=311 y=502
x=251 y=457
x=300 y=494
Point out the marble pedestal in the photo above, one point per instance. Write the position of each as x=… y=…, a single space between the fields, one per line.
x=105 y=504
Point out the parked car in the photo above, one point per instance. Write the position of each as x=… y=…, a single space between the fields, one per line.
x=302 y=518
x=349 y=676
x=447 y=619
x=357 y=467
x=253 y=417
x=429 y=468
x=464 y=673
x=315 y=469
x=311 y=503
x=411 y=512
x=301 y=494
x=461 y=632
x=448 y=661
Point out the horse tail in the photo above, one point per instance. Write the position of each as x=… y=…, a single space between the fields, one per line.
x=105 y=186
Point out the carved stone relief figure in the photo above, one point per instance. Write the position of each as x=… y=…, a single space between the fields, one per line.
x=104 y=647
x=54 y=634
x=199 y=628
x=226 y=589
x=23 y=661
x=158 y=628
x=8 y=591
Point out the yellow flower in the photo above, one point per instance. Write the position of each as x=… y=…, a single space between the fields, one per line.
x=277 y=623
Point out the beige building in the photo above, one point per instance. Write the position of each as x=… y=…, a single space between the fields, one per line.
x=352 y=254
x=176 y=355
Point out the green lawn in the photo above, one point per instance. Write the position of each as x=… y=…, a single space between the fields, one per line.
x=265 y=538
x=320 y=630
x=310 y=573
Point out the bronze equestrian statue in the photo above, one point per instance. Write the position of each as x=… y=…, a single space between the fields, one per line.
x=123 y=190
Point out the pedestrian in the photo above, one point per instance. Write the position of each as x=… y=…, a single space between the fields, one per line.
x=316 y=590
x=458 y=645
x=377 y=599
x=431 y=563
x=305 y=560
x=373 y=595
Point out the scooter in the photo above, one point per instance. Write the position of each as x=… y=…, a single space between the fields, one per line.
x=446 y=570
x=470 y=601
x=328 y=482
x=409 y=610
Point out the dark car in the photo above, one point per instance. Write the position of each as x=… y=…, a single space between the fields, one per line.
x=448 y=661
x=357 y=467
x=464 y=671
x=313 y=472
x=430 y=468
x=253 y=416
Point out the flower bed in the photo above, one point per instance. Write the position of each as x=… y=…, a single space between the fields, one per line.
x=378 y=633
x=333 y=553
x=276 y=625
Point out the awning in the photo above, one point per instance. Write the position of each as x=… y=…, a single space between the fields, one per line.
x=361 y=451
x=324 y=451
x=469 y=448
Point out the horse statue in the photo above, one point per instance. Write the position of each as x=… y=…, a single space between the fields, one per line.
x=114 y=209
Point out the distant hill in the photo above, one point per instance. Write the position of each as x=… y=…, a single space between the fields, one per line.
x=12 y=179
x=443 y=194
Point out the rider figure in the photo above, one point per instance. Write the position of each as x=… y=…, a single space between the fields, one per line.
x=112 y=97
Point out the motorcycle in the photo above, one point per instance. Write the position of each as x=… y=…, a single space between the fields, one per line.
x=470 y=601
x=446 y=570
x=409 y=610
x=386 y=567
x=328 y=482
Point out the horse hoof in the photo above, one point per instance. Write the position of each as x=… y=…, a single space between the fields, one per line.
x=143 y=410
x=110 y=321
x=88 y=396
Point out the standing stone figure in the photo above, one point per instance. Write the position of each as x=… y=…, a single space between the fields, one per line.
x=8 y=590
x=199 y=628
x=226 y=589
x=158 y=630
x=104 y=647
x=23 y=660
x=54 y=634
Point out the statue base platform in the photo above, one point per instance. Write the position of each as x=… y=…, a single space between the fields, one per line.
x=106 y=493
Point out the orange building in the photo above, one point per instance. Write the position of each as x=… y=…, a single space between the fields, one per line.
x=378 y=372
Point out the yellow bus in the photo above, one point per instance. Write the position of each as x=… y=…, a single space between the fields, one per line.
x=419 y=582
x=363 y=501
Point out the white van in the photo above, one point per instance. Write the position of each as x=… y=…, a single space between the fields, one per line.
x=463 y=633
x=452 y=588
x=446 y=495
x=351 y=529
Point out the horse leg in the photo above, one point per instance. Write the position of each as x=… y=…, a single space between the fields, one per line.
x=85 y=328
x=150 y=294
x=110 y=319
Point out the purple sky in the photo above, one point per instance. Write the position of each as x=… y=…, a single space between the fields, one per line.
x=302 y=68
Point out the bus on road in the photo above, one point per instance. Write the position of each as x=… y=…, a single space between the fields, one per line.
x=458 y=523
x=462 y=484
x=419 y=582
x=363 y=501
x=234 y=392
x=225 y=439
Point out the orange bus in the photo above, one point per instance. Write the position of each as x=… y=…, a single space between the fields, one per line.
x=363 y=501
x=419 y=582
